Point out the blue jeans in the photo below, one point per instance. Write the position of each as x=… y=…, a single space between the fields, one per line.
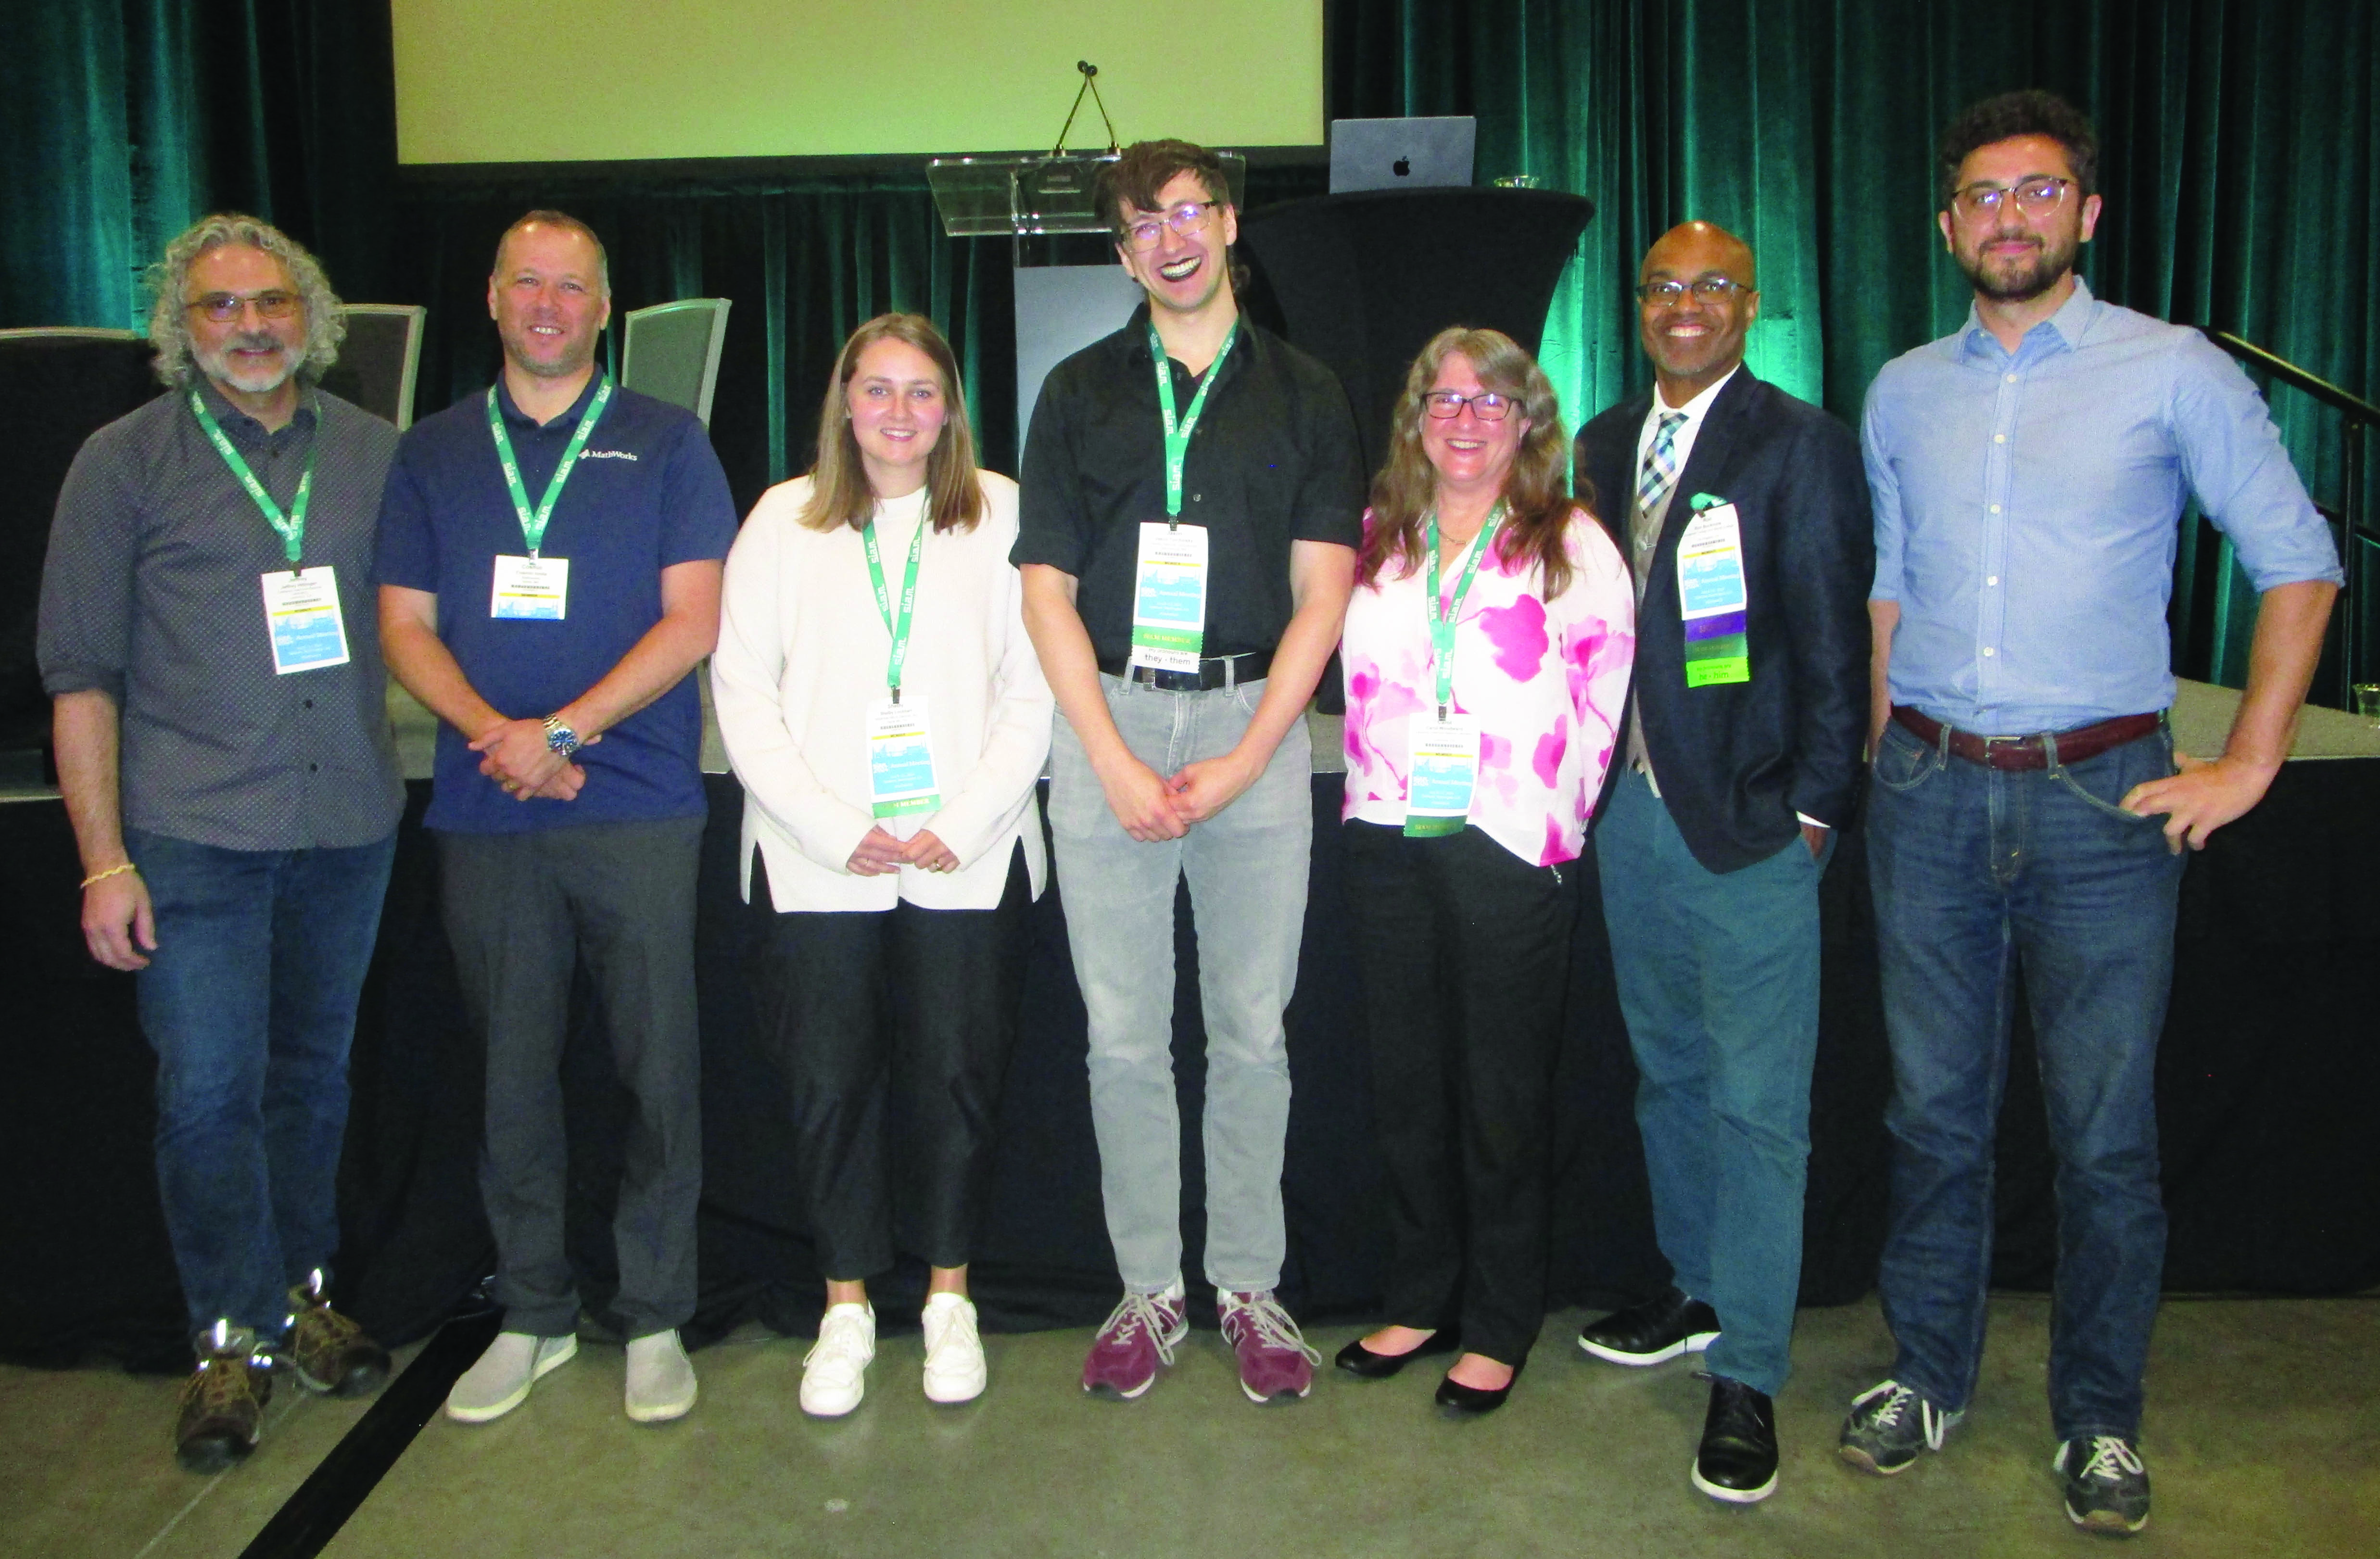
x=1246 y=868
x=1975 y=870
x=1719 y=980
x=250 y=1002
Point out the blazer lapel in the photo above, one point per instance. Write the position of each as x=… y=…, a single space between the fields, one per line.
x=1713 y=456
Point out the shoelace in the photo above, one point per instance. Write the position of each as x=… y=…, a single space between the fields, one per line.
x=952 y=1324
x=1274 y=1328
x=338 y=1330
x=1901 y=1397
x=221 y=1382
x=1139 y=1310
x=840 y=1337
x=2111 y=1460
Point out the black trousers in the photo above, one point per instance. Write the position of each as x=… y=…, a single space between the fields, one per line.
x=1463 y=949
x=893 y=1029
x=520 y=908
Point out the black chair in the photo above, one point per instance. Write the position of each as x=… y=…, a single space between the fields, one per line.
x=380 y=359
x=57 y=387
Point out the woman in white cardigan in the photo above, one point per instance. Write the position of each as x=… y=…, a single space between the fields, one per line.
x=884 y=711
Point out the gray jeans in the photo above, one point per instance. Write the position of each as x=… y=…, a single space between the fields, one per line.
x=1247 y=869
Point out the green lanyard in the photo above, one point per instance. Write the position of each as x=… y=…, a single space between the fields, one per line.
x=291 y=527
x=1177 y=434
x=533 y=524
x=1442 y=622
x=899 y=630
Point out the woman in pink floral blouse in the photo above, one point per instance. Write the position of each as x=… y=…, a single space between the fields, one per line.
x=1486 y=653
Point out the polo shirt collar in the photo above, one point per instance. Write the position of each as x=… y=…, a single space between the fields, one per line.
x=565 y=422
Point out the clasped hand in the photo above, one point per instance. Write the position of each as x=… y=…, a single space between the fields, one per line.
x=880 y=855
x=514 y=755
x=1151 y=808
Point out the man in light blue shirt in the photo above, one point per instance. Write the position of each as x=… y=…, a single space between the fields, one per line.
x=2029 y=473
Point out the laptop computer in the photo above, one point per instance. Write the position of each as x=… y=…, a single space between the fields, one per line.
x=1401 y=153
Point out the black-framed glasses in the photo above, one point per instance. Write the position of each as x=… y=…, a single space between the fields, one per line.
x=223 y=308
x=1184 y=219
x=1488 y=406
x=2035 y=197
x=1668 y=294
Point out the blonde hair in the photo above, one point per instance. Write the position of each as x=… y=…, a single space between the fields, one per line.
x=1536 y=496
x=839 y=491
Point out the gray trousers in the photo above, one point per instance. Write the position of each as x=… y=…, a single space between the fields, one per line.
x=1246 y=868
x=520 y=908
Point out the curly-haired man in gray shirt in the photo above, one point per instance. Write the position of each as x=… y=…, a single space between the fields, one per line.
x=208 y=636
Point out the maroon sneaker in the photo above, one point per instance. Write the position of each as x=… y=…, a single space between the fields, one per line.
x=1137 y=1337
x=1275 y=1363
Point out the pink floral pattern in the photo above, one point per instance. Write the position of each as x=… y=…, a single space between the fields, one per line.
x=1546 y=680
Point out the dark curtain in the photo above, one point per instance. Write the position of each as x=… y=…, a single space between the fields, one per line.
x=2241 y=175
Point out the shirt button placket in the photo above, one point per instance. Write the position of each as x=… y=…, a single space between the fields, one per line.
x=1991 y=605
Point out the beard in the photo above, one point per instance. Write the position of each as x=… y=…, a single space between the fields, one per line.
x=257 y=379
x=2019 y=281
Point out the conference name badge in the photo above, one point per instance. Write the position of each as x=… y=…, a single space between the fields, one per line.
x=1168 y=598
x=530 y=589
x=301 y=614
x=1445 y=771
x=901 y=759
x=1712 y=595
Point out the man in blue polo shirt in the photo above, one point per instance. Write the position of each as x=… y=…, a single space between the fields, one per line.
x=550 y=557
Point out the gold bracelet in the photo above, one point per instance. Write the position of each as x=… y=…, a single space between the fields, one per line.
x=111 y=871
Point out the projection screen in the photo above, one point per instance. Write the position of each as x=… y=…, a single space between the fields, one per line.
x=607 y=81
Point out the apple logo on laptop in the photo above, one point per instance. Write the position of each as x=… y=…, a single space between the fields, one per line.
x=1402 y=168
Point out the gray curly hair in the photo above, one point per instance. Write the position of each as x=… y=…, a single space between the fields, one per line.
x=169 y=328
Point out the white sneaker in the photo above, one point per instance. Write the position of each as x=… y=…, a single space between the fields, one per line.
x=661 y=1379
x=835 y=1372
x=954 y=1371
x=500 y=1381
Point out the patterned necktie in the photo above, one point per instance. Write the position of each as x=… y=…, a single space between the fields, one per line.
x=1660 y=468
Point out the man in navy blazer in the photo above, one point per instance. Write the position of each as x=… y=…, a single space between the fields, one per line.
x=1744 y=516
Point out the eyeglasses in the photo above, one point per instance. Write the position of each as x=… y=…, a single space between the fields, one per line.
x=1488 y=406
x=223 y=308
x=1668 y=294
x=1184 y=219
x=2035 y=197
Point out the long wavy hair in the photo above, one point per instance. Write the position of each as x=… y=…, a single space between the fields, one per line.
x=1536 y=491
x=169 y=320
x=838 y=490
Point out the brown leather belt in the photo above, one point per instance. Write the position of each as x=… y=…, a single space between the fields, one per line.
x=2017 y=753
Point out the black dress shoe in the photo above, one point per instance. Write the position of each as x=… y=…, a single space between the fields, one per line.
x=1461 y=1401
x=1653 y=1331
x=1362 y=1362
x=1738 y=1459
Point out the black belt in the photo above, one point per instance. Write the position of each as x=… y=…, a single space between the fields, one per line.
x=1214 y=671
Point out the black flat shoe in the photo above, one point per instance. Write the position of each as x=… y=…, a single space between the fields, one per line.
x=1462 y=1401
x=1362 y=1363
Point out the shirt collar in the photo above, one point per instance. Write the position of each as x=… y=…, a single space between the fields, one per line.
x=565 y=422
x=1136 y=332
x=2070 y=324
x=1696 y=409
x=247 y=428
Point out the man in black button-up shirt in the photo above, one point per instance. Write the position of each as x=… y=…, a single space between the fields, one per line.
x=209 y=639
x=1184 y=755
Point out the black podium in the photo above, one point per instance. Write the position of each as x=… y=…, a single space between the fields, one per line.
x=1364 y=280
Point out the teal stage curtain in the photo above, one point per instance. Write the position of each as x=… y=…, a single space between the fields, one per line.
x=2242 y=171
